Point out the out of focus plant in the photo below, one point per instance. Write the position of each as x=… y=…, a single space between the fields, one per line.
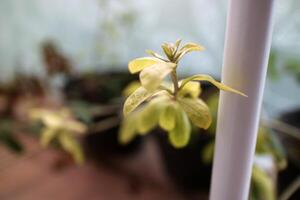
x=293 y=67
x=290 y=66
x=55 y=61
x=174 y=107
x=262 y=184
x=60 y=126
x=273 y=73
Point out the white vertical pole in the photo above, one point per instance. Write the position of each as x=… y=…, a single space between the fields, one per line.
x=247 y=46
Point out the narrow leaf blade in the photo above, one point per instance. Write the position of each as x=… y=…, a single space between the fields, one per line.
x=189 y=47
x=204 y=77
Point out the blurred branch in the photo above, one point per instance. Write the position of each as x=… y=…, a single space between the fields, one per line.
x=282 y=127
x=104 y=125
x=102 y=110
x=291 y=189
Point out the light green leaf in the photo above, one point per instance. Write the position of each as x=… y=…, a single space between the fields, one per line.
x=130 y=88
x=75 y=126
x=156 y=55
x=69 y=144
x=177 y=43
x=180 y=135
x=204 y=77
x=197 y=111
x=148 y=118
x=135 y=99
x=139 y=64
x=168 y=50
x=128 y=129
x=208 y=152
x=189 y=47
x=263 y=184
x=191 y=89
x=52 y=120
x=167 y=118
x=47 y=136
x=152 y=77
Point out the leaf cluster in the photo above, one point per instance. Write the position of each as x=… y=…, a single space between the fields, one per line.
x=175 y=106
x=60 y=126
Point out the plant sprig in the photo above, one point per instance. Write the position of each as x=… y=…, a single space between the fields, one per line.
x=61 y=126
x=171 y=106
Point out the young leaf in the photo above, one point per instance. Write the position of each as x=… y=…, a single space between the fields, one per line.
x=139 y=64
x=167 y=118
x=156 y=55
x=204 y=77
x=197 y=111
x=189 y=47
x=135 y=99
x=168 y=50
x=177 y=43
x=191 y=89
x=152 y=77
x=180 y=135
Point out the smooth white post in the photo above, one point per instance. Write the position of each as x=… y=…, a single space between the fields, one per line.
x=247 y=46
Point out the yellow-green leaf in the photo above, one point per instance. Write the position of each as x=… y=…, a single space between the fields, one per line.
x=191 y=89
x=177 y=43
x=263 y=184
x=69 y=144
x=148 y=118
x=208 y=152
x=128 y=129
x=189 y=47
x=167 y=118
x=197 y=111
x=75 y=126
x=47 y=134
x=204 y=77
x=131 y=87
x=135 y=99
x=139 y=64
x=180 y=135
x=152 y=77
x=52 y=120
x=168 y=50
x=156 y=55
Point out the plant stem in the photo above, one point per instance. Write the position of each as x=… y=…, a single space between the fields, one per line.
x=175 y=82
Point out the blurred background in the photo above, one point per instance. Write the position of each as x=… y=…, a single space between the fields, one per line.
x=66 y=62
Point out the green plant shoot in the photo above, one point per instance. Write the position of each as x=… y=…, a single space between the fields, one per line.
x=60 y=126
x=173 y=106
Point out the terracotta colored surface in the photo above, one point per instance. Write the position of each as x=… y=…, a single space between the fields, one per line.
x=44 y=175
